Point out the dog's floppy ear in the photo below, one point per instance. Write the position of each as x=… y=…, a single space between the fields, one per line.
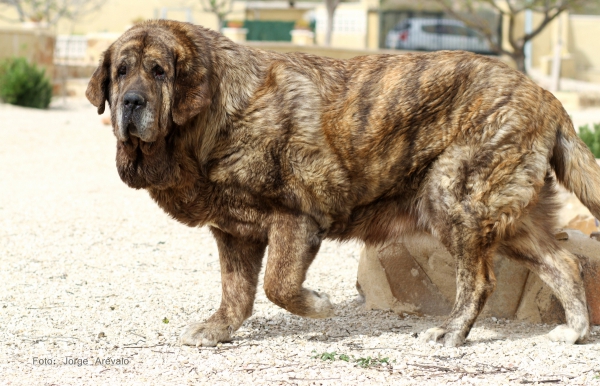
x=193 y=73
x=97 y=90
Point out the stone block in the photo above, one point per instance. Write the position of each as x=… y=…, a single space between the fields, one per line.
x=416 y=275
x=419 y=275
x=539 y=304
x=588 y=252
x=415 y=287
x=583 y=223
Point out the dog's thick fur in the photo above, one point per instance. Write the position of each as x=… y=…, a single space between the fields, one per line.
x=286 y=150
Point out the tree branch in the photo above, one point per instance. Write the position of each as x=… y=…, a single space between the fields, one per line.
x=18 y=7
x=543 y=24
x=550 y=9
x=51 y=11
x=477 y=24
x=511 y=32
x=510 y=7
x=495 y=6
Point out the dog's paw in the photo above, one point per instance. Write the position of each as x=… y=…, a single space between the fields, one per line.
x=440 y=335
x=205 y=334
x=321 y=306
x=566 y=334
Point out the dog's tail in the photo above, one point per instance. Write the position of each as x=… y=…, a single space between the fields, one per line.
x=575 y=166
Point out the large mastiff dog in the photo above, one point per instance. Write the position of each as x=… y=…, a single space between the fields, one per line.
x=286 y=150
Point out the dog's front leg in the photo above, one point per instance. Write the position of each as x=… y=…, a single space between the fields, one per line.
x=293 y=244
x=241 y=261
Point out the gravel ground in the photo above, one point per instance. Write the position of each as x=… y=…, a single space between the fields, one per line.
x=93 y=270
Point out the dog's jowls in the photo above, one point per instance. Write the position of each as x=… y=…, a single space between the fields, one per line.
x=286 y=150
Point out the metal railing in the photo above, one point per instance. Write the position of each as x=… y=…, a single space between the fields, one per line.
x=70 y=49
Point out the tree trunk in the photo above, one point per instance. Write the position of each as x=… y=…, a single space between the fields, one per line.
x=518 y=56
x=220 y=21
x=329 y=30
x=330 y=6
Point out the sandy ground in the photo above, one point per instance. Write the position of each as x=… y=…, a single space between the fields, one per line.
x=94 y=271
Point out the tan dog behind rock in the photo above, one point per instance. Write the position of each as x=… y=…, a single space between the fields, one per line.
x=285 y=150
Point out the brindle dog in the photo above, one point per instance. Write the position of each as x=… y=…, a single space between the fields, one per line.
x=286 y=150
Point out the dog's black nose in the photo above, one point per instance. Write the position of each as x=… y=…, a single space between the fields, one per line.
x=133 y=100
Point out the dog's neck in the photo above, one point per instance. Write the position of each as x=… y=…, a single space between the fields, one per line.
x=237 y=72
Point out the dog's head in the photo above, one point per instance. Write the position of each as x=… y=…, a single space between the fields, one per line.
x=155 y=78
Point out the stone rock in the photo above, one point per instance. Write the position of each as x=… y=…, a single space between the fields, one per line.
x=539 y=304
x=586 y=224
x=415 y=288
x=588 y=252
x=372 y=285
x=416 y=275
x=571 y=207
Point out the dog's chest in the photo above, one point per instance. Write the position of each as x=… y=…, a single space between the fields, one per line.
x=232 y=209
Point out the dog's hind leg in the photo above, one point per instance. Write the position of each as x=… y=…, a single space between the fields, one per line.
x=293 y=244
x=241 y=261
x=535 y=246
x=463 y=208
x=559 y=269
x=475 y=281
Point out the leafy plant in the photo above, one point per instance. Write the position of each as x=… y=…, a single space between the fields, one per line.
x=326 y=356
x=344 y=357
x=591 y=138
x=362 y=362
x=165 y=320
x=23 y=84
x=370 y=362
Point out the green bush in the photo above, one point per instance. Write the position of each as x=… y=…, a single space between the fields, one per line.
x=23 y=84
x=591 y=138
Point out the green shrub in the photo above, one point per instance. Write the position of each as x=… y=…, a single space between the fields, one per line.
x=591 y=138
x=23 y=84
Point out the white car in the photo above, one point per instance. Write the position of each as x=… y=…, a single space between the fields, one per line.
x=435 y=34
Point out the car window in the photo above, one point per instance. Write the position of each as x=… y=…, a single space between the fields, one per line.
x=402 y=26
x=456 y=30
x=474 y=33
x=445 y=29
x=432 y=29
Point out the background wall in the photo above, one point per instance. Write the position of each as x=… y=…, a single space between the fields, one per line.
x=34 y=44
x=584 y=32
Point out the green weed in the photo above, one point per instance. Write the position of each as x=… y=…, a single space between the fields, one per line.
x=362 y=362
x=326 y=356
x=371 y=362
x=591 y=138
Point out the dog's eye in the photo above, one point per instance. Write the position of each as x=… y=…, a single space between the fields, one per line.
x=159 y=72
x=122 y=71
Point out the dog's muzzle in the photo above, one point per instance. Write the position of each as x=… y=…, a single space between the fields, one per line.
x=133 y=108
